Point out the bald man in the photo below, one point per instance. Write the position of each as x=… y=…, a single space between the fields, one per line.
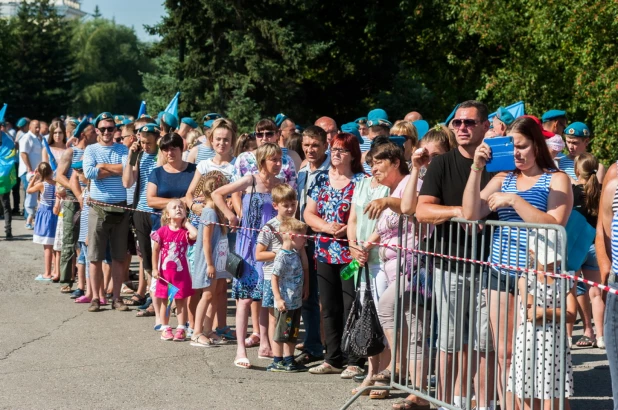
x=413 y=116
x=329 y=126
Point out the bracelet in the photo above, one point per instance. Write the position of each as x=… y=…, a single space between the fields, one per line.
x=191 y=207
x=475 y=169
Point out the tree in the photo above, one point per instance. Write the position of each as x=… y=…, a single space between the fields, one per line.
x=41 y=59
x=108 y=62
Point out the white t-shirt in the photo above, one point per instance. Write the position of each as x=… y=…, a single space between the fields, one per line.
x=226 y=169
x=33 y=147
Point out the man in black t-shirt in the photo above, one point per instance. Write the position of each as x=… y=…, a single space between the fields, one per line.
x=440 y=200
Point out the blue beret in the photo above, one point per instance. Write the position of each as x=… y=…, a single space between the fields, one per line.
x=74 y=121
x=189 y=121
x=299 y=128
x=118 y=118
x=422 y=127
x=81 y=127
x=208 y=123
x=211 y=116
x=378 y=117
x=553 y=114
x=398 y=140
x=103 y=116
x=126 y=121
x=361 y=120
x=505 y=116
x=22 y=122
x=145 y=116
x=352 y=128
x=577 y=129
x=280 y=118
x=169 y=119
x=77 y=165
x=150 y=128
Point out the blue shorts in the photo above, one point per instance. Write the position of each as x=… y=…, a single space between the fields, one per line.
x=82 y=258
x=591 y=259
x=268 y=299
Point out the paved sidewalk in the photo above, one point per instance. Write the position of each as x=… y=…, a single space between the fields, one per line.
x=54 y=354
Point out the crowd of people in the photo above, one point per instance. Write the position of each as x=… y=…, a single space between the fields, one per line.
x=296 y=207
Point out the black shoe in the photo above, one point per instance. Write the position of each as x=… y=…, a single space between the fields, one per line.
x=16 y=212
x=294 y=368
x=306 y=358
x=8 y=236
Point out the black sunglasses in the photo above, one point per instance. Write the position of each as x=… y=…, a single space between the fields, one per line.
x=108 y=129
x=467 y=122
x=264 y=134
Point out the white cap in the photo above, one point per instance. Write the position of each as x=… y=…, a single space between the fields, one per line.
x=555 y=143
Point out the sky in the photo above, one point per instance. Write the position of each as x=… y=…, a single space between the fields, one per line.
x=132 y=13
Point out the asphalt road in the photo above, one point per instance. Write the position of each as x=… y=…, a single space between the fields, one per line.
x=54 y=354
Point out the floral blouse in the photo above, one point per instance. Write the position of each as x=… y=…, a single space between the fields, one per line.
x=246 y=164
x=333 y=206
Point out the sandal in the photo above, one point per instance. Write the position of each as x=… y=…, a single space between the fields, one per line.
x=135 y=300
x=351 y=371
x=585 y=341
x=125 y=290
x=384 y=376
x=243 y=363
x=409 y=405
x=251 y=342
x=83 y=299
x=215 y=339
x=195 y=341
x=325 y=368
x=365 y=383
x=379 y=394
x=226 y=333
x=600 y=343
x=145 y=313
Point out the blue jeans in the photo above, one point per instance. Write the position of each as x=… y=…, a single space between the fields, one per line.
x=610 y=328
x=24 y=184
x=311 y=308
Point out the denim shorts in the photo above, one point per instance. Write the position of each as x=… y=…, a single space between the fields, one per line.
x=82 y=258
x=591 y=259
x=268 y=299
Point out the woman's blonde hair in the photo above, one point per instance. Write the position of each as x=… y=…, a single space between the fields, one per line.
x=165 y=216
x=242 y=142
x=225 y=124
x=192 y=137
x=405 y=129
x=586 y=166
x=265 y=152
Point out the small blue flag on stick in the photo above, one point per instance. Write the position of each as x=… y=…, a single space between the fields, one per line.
x=171 y=292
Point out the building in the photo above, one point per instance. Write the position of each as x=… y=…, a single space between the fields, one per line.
x=71 y=9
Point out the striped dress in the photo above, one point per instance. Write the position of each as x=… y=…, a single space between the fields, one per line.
x=614 y=243
x=510 y=245
x=45 y=222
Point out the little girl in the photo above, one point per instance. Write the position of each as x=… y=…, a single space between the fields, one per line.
x=169 y=255
x=535 y=370
x=45 y=225
x=211 y=242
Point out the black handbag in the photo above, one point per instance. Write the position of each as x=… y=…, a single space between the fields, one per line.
x=235 y=263
x=363 y=335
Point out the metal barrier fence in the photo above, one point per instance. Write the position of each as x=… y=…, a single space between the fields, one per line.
x=479 y=320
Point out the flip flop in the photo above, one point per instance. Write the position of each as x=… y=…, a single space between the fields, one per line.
x=243 y=363
x=42 y=278
x=585 y=341
x=226 y=333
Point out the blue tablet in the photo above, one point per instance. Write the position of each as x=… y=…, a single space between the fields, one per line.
x=502 y=154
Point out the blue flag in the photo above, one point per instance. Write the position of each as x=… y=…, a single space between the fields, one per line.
x=171 y=292
x=52 y=160
x=516 y=110
x=172 y=107
x=2 y=113
x=142 y=109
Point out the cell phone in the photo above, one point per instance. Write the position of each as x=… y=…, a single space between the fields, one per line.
x=502 y=154
x=135 y=156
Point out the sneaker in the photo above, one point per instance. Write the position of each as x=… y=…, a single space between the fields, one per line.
x=295 y=368
x=189 y=333
x=180 y=335
x=120 y=306
x=167 y=334
x=29 y=227
x=77 y=293
x=275 y=367
x=95 y=306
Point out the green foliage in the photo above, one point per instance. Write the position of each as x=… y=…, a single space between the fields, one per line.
x=41 y=60
x=108 y=62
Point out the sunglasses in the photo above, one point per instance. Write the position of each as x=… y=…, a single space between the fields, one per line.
x=118 y=140
x=340 y=151
x=264 y=134
x=108 y=129
x=468 y=123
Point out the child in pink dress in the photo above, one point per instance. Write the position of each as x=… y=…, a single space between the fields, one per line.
x=169 y=255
